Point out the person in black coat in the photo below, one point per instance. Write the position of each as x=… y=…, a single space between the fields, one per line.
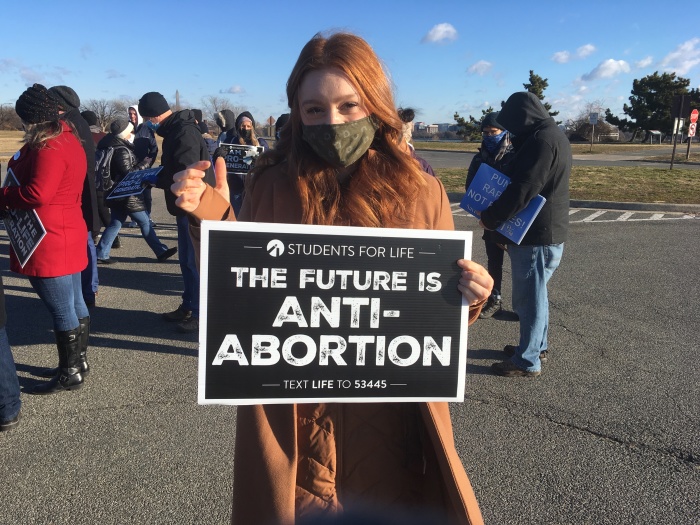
x=540 y=165
x=495 y=151
x=124 y=161
x=182 y=145
x=68 y=103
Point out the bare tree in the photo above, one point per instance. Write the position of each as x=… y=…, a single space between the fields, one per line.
x=580 y=128
x=106 y=110
x=109 y=110
x=212 y=104
x=9 y=118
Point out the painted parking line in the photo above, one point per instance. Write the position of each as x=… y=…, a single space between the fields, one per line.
x=584 y=216
x=588 y=215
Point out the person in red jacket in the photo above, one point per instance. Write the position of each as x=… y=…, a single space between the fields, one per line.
x=50 y=169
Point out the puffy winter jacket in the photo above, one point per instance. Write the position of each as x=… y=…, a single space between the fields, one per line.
x=123 y=161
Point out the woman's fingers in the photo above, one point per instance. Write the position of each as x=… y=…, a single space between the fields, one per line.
x=475 y=283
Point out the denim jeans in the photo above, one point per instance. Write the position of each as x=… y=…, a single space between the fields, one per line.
x=63 y=296
x=88 y=276
x=147 y=200
x=188 y=266
x=9 y=384
x=118 y=217
x=531 y=268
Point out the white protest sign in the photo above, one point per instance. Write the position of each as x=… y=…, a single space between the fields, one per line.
x=299 y=313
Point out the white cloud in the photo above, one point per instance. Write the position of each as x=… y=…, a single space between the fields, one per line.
x=233 y=90
x=645 y=62
x=113 y=73
x=584 y=51
x=480 y=68
x=31 y=76
x=561 y=57
x=684 y=58
x=607 y=69
x=441 y=33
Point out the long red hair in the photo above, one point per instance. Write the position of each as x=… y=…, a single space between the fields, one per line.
x=386 y=179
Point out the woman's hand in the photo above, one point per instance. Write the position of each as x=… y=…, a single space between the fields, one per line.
x=188 y=185
x=475 y=282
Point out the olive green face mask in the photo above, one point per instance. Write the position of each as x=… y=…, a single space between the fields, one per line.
x=340 y=144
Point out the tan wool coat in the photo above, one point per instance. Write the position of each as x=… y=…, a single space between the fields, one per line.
x=297 y=460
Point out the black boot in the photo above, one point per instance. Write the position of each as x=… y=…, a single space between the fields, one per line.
x=84 y=366
x=84 y=339
x=69 y=376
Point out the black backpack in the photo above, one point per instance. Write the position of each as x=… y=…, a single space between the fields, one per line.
x=103 y=178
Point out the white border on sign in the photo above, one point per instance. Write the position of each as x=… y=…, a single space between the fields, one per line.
x=266 y=227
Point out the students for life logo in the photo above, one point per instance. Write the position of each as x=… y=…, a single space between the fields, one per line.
x=275 y=247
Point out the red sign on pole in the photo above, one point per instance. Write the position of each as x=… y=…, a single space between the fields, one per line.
x=694 y=116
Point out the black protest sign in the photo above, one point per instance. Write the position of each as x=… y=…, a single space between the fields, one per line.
x=132 y=183
x=294 y=313
x=240 y=158
x=24 y=228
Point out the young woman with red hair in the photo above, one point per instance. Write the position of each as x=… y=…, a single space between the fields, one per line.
x=339 y=162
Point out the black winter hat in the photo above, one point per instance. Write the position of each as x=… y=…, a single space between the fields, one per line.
x=243 y=114
x=281 y=121
x=36 y=105
x=489 y=120
x=197 y=115
x=121 y=128
x=90 y=117
x=153 y=104
x=203 y=127
x=67 y=98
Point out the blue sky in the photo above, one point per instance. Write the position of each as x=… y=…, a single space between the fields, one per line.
x=442 y=56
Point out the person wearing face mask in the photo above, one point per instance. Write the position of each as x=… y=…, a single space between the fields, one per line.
x=243 y=133
x=339 y=162
x=495 y=151
x=120 y=139
x=183 y=144
x=279 y=124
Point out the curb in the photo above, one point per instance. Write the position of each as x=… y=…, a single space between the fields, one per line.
x=456 y=197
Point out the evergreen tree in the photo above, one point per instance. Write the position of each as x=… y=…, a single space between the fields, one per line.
x=536 y=86
x=651 y=103
x=471 y=129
